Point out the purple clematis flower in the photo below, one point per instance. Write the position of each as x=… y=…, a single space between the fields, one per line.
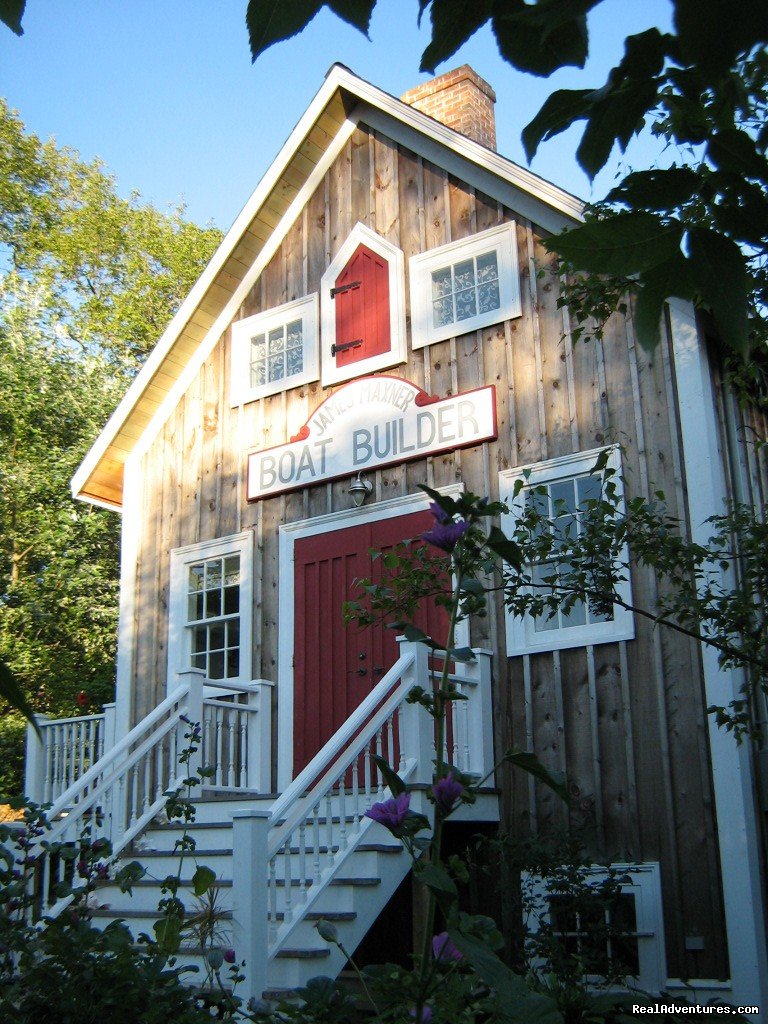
x=426 y=1014
x=446 y=532
x=446 y=792
x=391 y=813
x=229 y=956
x=444 y=950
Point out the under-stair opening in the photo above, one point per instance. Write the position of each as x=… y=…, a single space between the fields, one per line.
x=390 y=937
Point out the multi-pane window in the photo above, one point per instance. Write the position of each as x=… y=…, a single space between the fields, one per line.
x=277 y=354
x=209 y=625
x=213 y=616
x=562 y=491
x=617 y=934
x=563 y=504
x=463 y=290
x=275 y=350
x=603 y=936
x=464 y=286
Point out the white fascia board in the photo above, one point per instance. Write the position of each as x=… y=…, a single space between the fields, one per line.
x=206 y=279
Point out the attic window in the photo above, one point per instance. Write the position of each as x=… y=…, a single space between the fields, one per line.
x=464 y=286
x=274 y=350
x=363 y=308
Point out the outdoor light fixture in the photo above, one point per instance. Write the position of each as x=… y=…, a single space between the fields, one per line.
x=360 y=489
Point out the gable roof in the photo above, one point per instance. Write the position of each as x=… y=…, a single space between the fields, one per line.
x=343 y=101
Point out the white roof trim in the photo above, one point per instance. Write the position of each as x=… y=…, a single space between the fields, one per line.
x=337 y=77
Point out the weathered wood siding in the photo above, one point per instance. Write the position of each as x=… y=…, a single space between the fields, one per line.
x=625 y=720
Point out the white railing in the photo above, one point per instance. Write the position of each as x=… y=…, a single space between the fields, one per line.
x=315 y=825
x=117 y=796
x=237 y=728
x=63 y=752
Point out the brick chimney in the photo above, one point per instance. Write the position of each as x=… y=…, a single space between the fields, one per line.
x=460 y=99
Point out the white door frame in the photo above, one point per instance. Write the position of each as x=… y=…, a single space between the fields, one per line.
x=289 y=534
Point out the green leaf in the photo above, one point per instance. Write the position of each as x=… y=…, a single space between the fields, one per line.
x=655 y=287
x=620 y=245
x=202 y=880
x=516 y=1003
x=356 y=13
x=656 y=189
x=392 y=779
x=271 y=21
x=448 y=504
x=11 y=13
x=507 y=550
x=557 y=113
x=440 y=883
x=463 y=654
x=453 y=22
x=734 y=150
x=11 y=691
x=527 y=761
x=168 y=934
x=722 y=280
x=711 y=39
x=540 y=38
x=616 y=117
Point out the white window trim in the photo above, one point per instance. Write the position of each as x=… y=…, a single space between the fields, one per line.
x=179 y=635
x=522 y=638
x=644 y=883
x=305 y=309
x=503 y=241
x=398 y=353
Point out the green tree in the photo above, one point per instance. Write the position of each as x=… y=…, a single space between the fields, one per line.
x=698 y=229
x=89 y=280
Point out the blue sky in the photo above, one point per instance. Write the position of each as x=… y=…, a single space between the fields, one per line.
x=164 y=92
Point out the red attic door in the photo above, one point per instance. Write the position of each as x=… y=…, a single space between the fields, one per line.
x=361 y=295
x=336 y=666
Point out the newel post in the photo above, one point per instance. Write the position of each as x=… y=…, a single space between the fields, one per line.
x=260 y=736
x=417 y=728
x=35 y=762
x=250 y=897
x=476 y=686
x=108 y=733
x=195 y=712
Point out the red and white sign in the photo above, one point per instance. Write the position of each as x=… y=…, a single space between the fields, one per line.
x=369 y=423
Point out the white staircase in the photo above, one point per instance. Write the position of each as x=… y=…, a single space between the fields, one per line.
x=284 y=863
x=351 y=901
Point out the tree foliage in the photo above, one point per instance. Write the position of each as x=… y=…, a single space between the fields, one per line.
x=88 y=282
x=698 y=229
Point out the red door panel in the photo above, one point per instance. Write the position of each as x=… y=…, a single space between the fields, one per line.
x=336 y=666
x=362 y=308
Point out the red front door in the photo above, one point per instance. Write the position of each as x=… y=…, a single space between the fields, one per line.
x=336 y=666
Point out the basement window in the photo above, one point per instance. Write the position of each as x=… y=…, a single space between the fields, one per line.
x=465 y=286
x=621 y=935
x=275 y=350
x=561 y=490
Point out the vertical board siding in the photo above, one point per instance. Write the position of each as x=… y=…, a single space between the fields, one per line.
x=625 y=721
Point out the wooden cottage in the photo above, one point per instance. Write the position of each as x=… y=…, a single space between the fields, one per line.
x=383 y=313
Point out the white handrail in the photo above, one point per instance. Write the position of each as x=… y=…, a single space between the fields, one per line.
x=339 y=740
x=47 y=723
x=97 y=770
x=344 y=758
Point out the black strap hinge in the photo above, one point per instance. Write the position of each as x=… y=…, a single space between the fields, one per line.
x=345 y=288
x=345 y=345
